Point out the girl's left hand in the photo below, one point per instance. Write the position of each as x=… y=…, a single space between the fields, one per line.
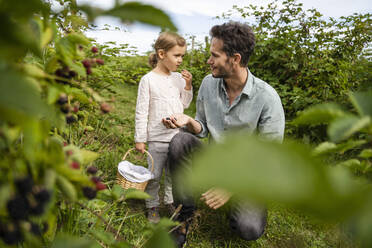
x=188 y=78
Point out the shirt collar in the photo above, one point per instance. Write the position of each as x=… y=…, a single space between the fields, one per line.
x=248 y=87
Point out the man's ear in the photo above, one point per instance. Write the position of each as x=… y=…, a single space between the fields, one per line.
x=237 y=58
x=161 y=53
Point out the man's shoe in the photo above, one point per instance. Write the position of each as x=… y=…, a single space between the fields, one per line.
x=153 y=215
x=179 y=235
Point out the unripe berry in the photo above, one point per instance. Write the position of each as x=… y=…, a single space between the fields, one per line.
x=75 y=165
x=94 y=49
x=100 y=186
x=95 y=179
x=100 y=61
x=89 y=70
x=86 y=63
x=105 y=107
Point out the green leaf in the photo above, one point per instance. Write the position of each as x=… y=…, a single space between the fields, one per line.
x=64 y=240
x=351 y=163
x=366 y=153
x=160 y=238
x=136 y=194
x=362 y=102
x=135 y=11
x=286 y=173
x=324 y=148
x=343 y=127
x=67 y=188
x=20 y=99
x=322 y=113
x=88 y=156
x=105 y=237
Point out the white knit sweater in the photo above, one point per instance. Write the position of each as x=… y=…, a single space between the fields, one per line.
x=159 y=96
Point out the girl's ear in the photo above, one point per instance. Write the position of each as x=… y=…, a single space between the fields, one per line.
x=161 y=53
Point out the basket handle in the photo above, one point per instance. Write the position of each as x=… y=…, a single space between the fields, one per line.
x=152 y=160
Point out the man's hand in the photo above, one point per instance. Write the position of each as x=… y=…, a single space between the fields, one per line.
x=215 y=198
x=188 y=78
x=176 y=121
x=140 y=146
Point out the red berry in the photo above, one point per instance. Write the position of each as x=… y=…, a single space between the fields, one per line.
x=86 y=143
x=105 y=107
x=100 y=61
x=86 y=63
x=95 y=179
x=69 y=152
x=76 y=109
x=89 y=70
x=94 y=49
x=65 y=143
x=100 y=186
x=75 y=165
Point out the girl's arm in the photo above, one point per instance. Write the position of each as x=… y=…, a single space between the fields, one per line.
x=186 y=92
x=142 y=112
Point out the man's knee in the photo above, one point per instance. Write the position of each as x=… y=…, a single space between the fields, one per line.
x=180 y=147
x=250 y=231
x=249 y=224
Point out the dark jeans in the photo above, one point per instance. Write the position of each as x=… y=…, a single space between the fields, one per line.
x=246 y=219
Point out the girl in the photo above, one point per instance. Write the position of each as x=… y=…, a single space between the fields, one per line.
x=161 y=93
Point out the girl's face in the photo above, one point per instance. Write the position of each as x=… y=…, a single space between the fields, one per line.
x=172 y=58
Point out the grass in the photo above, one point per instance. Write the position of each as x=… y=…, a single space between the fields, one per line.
x=113 y=136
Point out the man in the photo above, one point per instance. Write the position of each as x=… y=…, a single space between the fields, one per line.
x=231 y=98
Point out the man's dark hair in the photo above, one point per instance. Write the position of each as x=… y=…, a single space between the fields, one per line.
x=237 y=38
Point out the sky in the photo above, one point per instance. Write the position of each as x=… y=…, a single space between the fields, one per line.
x=196 y=17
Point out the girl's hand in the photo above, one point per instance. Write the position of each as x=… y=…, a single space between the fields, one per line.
x=188 y=78
x=140 y=146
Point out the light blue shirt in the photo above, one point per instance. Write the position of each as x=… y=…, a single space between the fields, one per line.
x=258 y=108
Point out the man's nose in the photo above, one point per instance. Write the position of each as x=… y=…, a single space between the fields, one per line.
x=209 y=61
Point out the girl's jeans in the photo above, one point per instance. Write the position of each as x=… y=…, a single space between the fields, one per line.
x=159 y=152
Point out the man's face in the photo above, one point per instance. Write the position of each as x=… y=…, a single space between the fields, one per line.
x=221 y=66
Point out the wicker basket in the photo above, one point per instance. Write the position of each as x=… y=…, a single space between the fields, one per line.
x=126 y=184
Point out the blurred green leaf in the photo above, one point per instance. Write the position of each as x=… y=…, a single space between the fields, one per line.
x=88 y=156
x=350 y=163
x=322 y=113
x=136 y=194
x=20 y=99
x=135 y=11
x=343 y=127
x=362 y=102
x=160 y=238
x=324 y=148
x=106 y=237
x=286 y=173
x=64 y=240
x=67 y=188
x=366 y=153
